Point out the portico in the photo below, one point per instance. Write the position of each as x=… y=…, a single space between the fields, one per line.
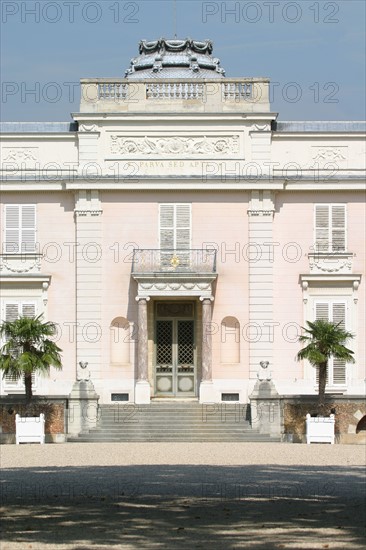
x=177 y=284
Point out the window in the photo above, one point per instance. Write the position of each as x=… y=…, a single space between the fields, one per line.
x=12 y=311
x=175 y=226
x=330 y=228
x=20 y=228
x=335 y=312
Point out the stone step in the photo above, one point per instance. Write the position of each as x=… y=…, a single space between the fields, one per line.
x=108 y=439
x=173 y=421
x=167 y=432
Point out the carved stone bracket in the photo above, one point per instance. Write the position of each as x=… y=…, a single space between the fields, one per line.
x=45 y=286
x=87 y=203
x=262 y=203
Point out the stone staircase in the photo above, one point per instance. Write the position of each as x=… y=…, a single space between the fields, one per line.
x=173 y=421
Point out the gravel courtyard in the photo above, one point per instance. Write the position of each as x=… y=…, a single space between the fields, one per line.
x=182 y=495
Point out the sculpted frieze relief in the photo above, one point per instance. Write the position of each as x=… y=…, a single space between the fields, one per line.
x=20 y=155
x=322 y=156
x=173 y=146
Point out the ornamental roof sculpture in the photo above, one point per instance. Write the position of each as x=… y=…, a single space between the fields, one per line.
x=175 y=59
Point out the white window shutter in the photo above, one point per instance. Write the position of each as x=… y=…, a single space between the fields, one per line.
x=28 y=309
x=339 y=365
x=321 y=228
x=336 y=313
x=20 y=228
x=322 y=311
x=175 y=226
x=183 y=226
x=28 y=228
x=11 y=314
x=322 y=314
x=11 y=311
x=339 y=371
x=338 y=228
x=12 y=228
x=339 y=314
x=166 y=229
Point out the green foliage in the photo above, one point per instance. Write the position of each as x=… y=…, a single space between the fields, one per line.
x=28 y=349
x=324 y=340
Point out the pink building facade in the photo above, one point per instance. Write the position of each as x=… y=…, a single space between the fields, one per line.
x=180 y=235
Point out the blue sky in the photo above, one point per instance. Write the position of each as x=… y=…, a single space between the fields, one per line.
x=313 y=51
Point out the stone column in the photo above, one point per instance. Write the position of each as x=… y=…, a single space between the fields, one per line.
x=142 y=390
x=206 y=387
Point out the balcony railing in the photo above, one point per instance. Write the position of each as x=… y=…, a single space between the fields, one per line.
x=180 y=261
x=227 y=94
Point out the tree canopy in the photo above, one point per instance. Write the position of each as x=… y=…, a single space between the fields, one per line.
x=28 y=349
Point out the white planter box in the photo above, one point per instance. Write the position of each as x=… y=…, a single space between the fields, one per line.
x=29 y=429
x=320 y=429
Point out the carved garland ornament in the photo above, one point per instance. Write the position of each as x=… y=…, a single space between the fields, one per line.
x=204 y=145
x=20 y=264
x=175 y=286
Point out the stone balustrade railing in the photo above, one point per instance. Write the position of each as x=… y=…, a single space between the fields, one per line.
x=175 y=261
x=118 y=95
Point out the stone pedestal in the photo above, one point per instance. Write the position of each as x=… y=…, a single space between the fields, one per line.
x=266 y=408
x=142 y=392
x=207 y=392
x=83 y=411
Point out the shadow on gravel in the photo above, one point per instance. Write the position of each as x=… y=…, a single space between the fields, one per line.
x=184 y=507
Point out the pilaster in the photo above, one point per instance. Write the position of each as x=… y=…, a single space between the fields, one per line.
x=88 y=257
x=261 y=262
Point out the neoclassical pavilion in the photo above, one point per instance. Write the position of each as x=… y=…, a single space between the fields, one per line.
x=180 y=234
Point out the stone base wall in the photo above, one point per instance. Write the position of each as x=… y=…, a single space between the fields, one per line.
x=348 y=412
x=54 y=417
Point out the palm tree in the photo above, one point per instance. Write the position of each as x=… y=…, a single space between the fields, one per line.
x=324 y=340
x=28 y=349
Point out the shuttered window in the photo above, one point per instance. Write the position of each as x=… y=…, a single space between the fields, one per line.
x=14 y=310
x=175 y=226
x=20 y=228
x=330 y=227
x=336 y=313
